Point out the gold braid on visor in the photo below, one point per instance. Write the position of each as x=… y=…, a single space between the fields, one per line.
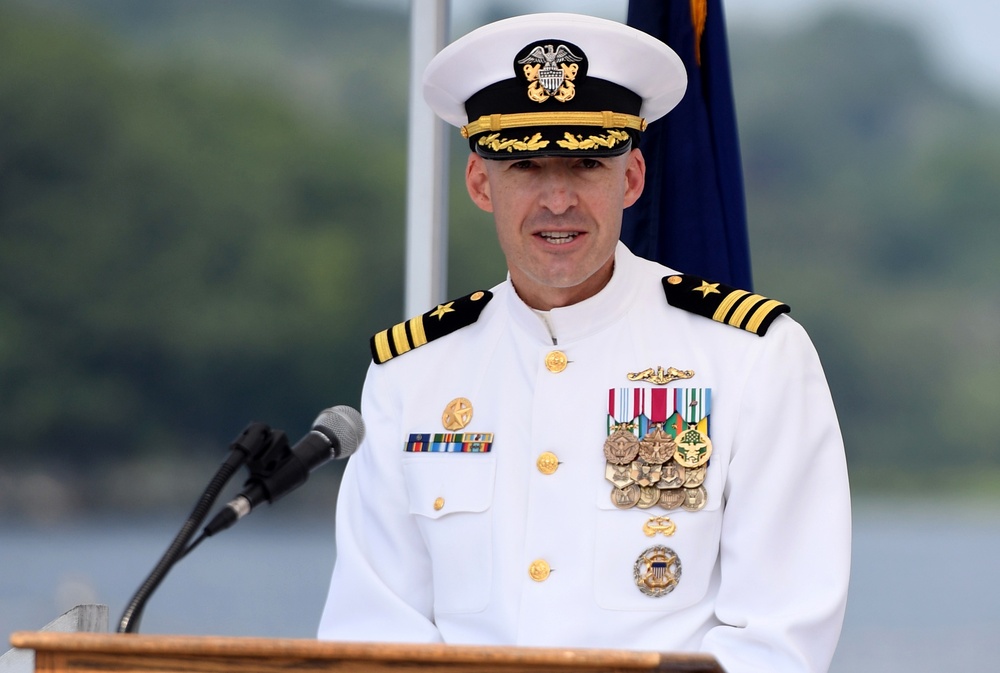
x=608 y=120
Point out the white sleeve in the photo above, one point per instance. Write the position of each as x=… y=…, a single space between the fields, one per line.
x=786 y=539
x=381 y=585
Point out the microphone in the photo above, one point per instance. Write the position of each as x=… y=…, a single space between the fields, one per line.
x=336 y=434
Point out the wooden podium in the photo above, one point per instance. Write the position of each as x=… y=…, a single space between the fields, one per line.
x=132 y=653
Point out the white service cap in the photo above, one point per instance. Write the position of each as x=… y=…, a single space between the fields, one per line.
x=554 y=84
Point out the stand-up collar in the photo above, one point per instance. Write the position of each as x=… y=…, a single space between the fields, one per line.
x=586 y=317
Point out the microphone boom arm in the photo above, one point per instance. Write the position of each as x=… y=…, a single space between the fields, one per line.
x=253 y=440
x=275 y=469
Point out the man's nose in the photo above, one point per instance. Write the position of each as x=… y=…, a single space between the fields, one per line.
x=558 y=194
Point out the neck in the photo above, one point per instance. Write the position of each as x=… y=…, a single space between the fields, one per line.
x=546 y=298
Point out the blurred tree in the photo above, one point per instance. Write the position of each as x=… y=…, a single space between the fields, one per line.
x=180 y=253
x=873 y=206
x=201 y=223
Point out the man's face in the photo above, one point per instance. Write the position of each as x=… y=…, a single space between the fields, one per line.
x=558 y=219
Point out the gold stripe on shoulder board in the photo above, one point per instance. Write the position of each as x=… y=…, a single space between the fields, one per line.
x=438 y=322
x=723 y=303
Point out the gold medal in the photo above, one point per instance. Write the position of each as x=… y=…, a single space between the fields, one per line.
x=672 y=475
x=618 y=475
x=695 y=476
x=649 y=496
x=643 y=473
x=657 y=446
x=694 y=448
x=673 y=498
x=625 y=498
x=622 y=447
x=694 y=498
x=657 y=571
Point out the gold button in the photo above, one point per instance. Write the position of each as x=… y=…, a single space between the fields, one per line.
x=477 y=296
x=439 y=504
x=547 y=463
x=539 y=570
x=555 y=361
x=674 y=280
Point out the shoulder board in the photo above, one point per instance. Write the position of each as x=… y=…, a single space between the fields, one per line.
x=723 y=303
x=415 y=332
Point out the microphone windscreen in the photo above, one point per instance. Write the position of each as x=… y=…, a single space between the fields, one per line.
x=344 y=423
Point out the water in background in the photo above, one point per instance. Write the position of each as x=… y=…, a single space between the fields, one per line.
x=923 y=593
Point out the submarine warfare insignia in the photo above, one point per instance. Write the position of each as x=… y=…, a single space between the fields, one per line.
x=657 y=571
x=723 y=303
x=438 y=322
x=659 y=376
x=668 y=465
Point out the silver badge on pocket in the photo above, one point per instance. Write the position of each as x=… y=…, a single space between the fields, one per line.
x=657 y=571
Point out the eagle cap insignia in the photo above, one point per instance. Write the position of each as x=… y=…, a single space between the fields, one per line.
x=551 y=68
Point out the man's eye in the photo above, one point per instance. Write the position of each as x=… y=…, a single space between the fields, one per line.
x=590 y=163
x=524 y=164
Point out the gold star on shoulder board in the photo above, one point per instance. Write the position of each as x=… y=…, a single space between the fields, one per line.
x=739 y=308
x=707 y=288
x=442 y=309
x=413 y=333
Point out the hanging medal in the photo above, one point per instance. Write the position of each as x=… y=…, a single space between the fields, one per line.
x=622 y=445
x=657 y=447
x=693 y=447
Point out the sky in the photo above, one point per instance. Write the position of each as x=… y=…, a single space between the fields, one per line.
x=961 y=34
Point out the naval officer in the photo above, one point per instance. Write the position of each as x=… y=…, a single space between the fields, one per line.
x=599 y=451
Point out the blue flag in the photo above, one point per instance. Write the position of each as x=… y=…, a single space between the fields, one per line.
x=692 y=214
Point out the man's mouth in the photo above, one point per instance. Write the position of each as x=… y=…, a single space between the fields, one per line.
x=558 y=237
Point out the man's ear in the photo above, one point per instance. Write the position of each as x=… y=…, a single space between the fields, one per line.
x=635 y=177
x=477 y=182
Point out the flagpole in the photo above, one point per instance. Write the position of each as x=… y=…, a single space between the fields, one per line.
x=427 y=156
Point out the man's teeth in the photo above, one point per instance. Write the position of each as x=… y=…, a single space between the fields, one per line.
x=558 y=237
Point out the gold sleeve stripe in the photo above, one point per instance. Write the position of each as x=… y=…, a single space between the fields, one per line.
x=745 y=305
x=417 y=331
x=382 y=346
x=399 y=339
x=761 y=313
x=727 y=304
x=498 y=122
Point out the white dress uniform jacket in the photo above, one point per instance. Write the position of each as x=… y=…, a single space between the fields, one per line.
x=436 y=547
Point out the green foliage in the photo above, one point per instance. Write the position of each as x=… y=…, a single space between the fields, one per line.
x=201 y=223
x=179 y=252
x=873 y=210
